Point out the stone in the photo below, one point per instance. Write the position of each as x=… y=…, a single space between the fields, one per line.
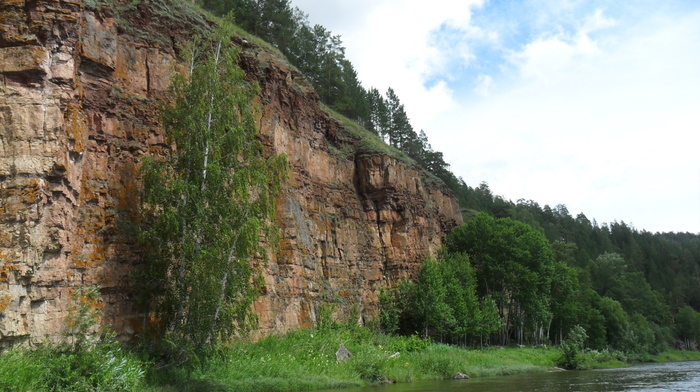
x=460 y=376
x=100 y=40
x=23 y=59
x=343 y=354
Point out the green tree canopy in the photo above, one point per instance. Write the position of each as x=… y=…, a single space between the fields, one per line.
x=514 y=266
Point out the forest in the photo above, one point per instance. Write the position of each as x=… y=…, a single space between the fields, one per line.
x=516 y=272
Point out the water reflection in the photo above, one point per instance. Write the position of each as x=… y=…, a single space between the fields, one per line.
x=668 y=377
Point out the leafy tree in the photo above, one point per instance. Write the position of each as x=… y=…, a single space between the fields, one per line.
x=592 y=319
x=207 y=205
x=488 y=320
x=608 y=272
x=430 y=301
x=514 y=266
x=639 y=337
x=460 y=284
x=688 y=326
x=566 y=306
x=616 y=321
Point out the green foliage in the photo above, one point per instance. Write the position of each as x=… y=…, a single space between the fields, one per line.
x=429 y=304
x=688 y=326
x=411 y=343
x=81 y=362
x=572 y=347
x=514 y=266
x=305 y=360
x=602 y=359
x=390 y=309
x=82 y=321
x=566 y=306
x=207 y=206
x=325 y=318
x=441 y=304
x=104 y=367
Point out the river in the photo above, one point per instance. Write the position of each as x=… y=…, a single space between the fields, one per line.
x=671 y=377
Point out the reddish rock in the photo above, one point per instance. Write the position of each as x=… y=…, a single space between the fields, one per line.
x=79 y=98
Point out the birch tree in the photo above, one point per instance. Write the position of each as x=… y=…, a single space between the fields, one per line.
x=207 y=206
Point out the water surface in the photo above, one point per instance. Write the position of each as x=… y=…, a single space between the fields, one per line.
x=668 y=377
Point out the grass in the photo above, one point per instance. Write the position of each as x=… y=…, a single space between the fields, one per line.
x=357 y=139
x=605 y=359
x=105 y=367
x=303 y=360
x=673 y=356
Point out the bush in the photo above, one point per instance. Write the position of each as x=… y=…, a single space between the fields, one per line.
x=571 y=348
x=371 y=368
x=603 y=359
x=442 y=366
x=410 y=344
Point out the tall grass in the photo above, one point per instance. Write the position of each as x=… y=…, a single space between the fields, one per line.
x=104 y=367
x=305 y=360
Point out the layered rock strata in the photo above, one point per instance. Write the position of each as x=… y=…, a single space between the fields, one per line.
x=80 y=89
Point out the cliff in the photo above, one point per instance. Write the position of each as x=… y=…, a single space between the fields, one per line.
x=79 y=95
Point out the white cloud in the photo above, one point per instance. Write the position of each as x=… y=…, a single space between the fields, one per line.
x=390 y=45
x=548 y=55
x=483 y=84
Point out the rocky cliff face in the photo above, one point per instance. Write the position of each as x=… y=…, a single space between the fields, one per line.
x=79 y=92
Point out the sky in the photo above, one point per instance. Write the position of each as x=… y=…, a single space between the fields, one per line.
x=593 y=104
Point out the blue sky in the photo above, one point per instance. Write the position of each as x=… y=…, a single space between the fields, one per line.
x=592 y=104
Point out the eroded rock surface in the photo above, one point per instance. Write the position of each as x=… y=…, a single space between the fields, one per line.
x=79 y=96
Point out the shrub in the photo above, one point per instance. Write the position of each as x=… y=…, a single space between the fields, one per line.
x=571 y=348
x=371 y=368
x=410 y=344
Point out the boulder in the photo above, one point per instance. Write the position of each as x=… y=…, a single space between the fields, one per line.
x=343 y=354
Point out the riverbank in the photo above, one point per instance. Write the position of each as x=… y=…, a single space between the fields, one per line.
x=673 y=356
x=304 y=360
